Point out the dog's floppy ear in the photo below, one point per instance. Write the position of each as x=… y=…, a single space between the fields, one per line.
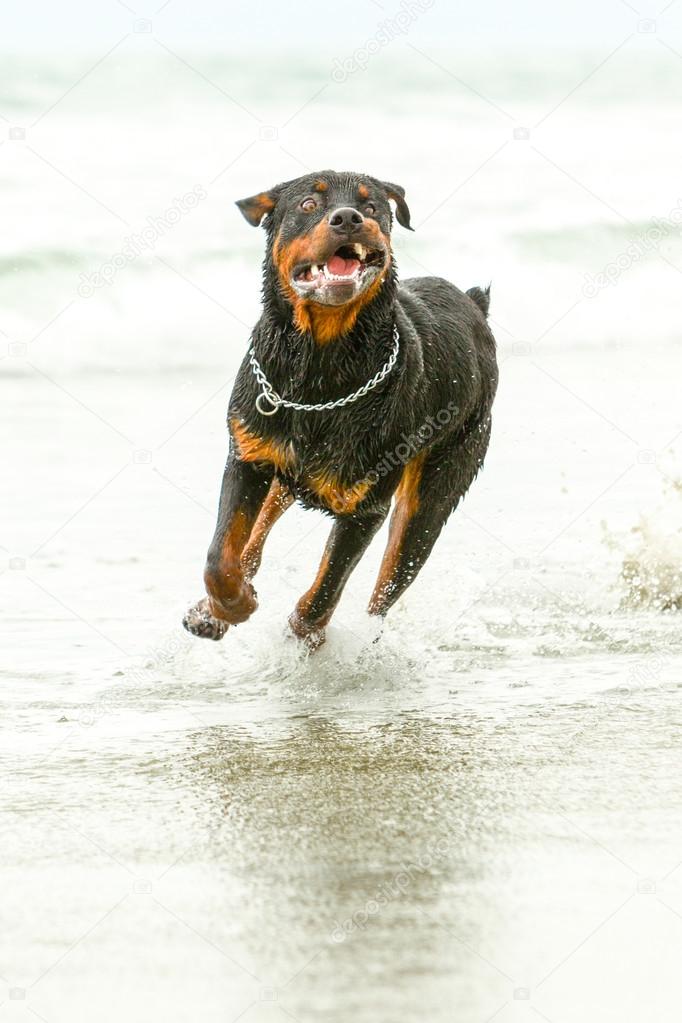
x=402 y=212
x=256 y=206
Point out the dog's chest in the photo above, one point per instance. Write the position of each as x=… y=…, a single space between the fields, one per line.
x=327 y=466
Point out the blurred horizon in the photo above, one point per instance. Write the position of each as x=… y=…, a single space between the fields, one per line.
x=268 y=26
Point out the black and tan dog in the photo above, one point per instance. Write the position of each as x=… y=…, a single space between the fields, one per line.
x=335 y=319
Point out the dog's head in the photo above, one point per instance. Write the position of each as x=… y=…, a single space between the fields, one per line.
x=329 y=235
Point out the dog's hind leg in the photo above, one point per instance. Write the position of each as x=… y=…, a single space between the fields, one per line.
x=429 y=490
x=348 y=541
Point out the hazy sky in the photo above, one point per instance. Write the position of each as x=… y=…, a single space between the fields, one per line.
x=332 y=28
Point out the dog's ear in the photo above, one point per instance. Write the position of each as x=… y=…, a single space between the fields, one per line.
x=402 y=212
x=256 y=206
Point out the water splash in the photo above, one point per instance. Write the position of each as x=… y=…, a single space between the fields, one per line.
x=651 y=568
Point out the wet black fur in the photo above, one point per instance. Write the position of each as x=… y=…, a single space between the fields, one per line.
x=447 y=356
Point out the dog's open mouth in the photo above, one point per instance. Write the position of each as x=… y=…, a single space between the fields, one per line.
x=347 y=265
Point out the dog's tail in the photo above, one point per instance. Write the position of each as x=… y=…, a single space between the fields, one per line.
x=481 y=298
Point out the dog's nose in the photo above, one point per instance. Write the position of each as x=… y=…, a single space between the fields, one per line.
x=346 y=220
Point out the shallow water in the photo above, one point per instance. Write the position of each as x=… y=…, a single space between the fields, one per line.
x=477 y=816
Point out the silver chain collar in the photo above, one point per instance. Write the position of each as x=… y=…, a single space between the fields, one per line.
x=275 y=401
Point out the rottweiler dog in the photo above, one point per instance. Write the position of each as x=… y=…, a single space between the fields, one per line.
x=357 y=390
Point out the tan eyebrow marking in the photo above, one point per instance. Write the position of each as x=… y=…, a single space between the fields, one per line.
x=363 y=191
x=321 y=186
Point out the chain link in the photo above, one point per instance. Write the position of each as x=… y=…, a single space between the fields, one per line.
x=276 y=401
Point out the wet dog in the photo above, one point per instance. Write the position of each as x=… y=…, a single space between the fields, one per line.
x=357 y=390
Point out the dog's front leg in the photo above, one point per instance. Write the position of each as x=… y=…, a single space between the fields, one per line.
x=276 y=503
x=348 y=541
x=231 y=597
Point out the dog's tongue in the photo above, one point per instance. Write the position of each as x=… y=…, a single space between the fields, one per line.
x=342 y=267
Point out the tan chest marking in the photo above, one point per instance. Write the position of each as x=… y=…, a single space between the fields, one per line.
x=339 y=498
x=252 y=448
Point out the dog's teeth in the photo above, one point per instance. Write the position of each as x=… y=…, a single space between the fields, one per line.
x=360 y=249
x=314 y=269
x=325 y=270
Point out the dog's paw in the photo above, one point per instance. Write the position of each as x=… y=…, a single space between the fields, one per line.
x=200 y=622
x=313 y=636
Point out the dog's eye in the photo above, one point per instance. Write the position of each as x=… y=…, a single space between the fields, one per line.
x=308 y=205
x=370 y=208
